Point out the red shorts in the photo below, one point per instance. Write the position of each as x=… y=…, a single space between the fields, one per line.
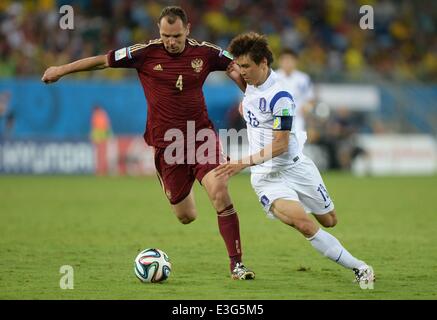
x=177 y=174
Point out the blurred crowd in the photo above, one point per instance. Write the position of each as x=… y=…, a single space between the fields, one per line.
x=327 y=34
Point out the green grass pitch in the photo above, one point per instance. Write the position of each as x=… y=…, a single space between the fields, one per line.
x=98 y=225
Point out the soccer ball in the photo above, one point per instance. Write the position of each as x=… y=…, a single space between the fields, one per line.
x=152 y=265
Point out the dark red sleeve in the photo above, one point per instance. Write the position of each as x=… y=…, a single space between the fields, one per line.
x=128 y=57
x=219 y=59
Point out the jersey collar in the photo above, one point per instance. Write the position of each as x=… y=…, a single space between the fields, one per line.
x=179 y=53
x=269 y=81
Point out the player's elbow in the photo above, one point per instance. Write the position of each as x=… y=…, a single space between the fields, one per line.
x=284 y=148
x=280 y=148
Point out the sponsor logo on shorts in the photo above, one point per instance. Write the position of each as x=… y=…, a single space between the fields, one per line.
x=264 y=200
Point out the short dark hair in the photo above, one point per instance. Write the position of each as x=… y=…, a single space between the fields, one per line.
x=252 y=44
x=290 y=52
x=172 y=13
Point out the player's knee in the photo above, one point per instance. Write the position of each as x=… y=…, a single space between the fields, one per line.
x=187 y=217
x=331 y=221
x=186 y=220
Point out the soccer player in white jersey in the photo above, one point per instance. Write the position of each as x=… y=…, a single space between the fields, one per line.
x=299 y=84
x=287 y=183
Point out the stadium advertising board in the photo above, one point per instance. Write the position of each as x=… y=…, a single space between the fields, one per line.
x=395 y=154
x=125 y=155
x=46 y=157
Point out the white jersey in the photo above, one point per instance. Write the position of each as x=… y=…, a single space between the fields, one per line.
x=260 y=106
x=299 y=85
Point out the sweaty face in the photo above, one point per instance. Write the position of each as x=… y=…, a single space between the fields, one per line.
x=252 y=73
x=173 y=35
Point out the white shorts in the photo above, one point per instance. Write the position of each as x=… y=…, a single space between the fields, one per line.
x=301 y=182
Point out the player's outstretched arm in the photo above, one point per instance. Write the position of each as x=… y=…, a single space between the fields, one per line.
x=276 y=148
x=53 y=74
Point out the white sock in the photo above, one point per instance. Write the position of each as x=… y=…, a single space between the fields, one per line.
x=329 y=246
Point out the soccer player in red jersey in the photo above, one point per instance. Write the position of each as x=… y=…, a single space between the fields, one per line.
x=172 y=71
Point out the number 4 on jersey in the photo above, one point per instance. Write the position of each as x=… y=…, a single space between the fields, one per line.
x=179 y=83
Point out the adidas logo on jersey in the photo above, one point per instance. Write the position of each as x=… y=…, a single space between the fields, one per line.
x=157 y=67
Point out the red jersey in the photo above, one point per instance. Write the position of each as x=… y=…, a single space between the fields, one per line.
x=172 y=83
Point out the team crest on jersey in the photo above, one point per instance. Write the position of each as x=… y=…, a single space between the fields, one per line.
x=197 y=64
x=262 y=105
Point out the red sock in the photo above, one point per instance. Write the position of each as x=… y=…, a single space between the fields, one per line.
x=229 y=227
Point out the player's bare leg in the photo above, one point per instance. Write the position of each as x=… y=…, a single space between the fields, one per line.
x=217 y=189
x=228 y=222
x=185 y=210
x=293 y=214
x=328 y=220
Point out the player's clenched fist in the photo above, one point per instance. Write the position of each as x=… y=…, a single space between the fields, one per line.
x=233 y=70
x=52 y=74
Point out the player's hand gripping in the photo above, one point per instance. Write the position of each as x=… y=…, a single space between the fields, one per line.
x=52 y=74
x=233 y=71
x=230 y=169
